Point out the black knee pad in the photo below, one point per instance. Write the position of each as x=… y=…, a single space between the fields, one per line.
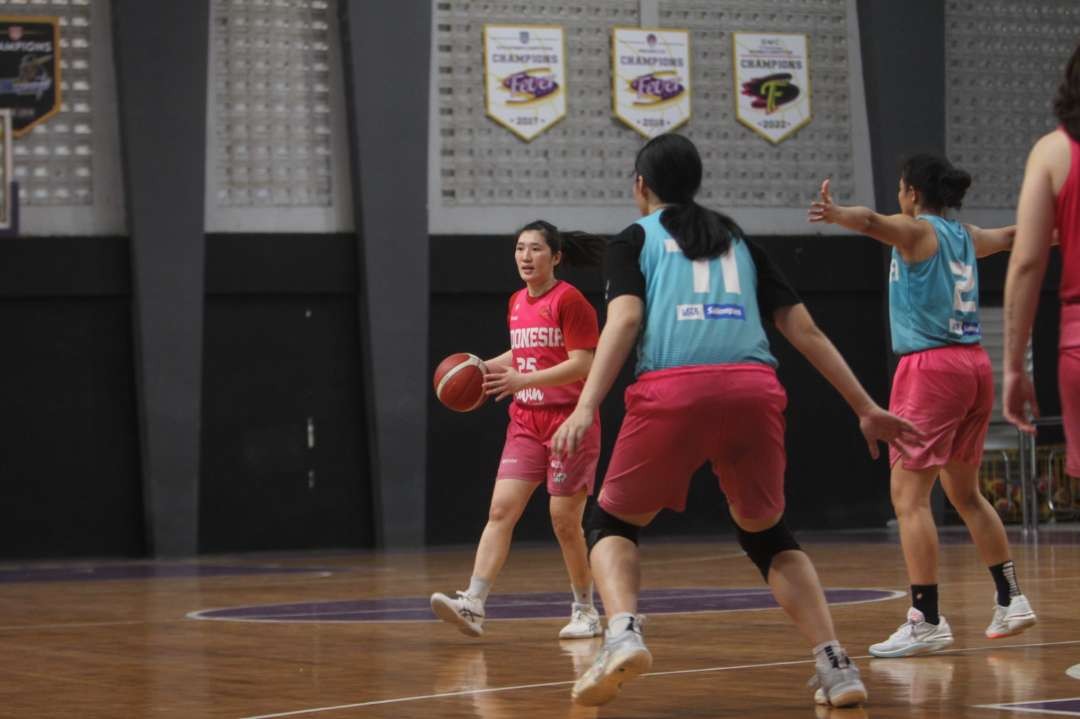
x=600 y=524
x=761 y=547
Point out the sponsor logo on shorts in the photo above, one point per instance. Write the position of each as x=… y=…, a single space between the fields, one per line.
x=710 y=312
x=963 y=329
x=558 y=476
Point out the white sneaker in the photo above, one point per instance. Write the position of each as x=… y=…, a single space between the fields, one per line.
x=837 y=682
x=1012 y=619
x=621 y=658
x=464 y=612
x=584 y=623
x=915 y=636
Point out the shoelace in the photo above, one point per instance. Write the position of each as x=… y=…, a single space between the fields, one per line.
x=464 y=608
x=905 y=629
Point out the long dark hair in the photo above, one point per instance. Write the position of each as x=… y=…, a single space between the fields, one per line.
x=671 y=168
x=939 y=183
x=1067 y=101
x=578 y=248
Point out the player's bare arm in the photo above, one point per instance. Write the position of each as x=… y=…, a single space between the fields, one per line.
x=624 y=319
x=799 y=328
x=899 y=231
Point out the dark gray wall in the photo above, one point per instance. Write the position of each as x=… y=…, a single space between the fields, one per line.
x=284 y=445
x=161 y=61
x=388 y=129
x=69 y=462
x=903 y=59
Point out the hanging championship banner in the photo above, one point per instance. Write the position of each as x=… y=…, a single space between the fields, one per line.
x=525 y=77
x=650 y=78
x=29 y=70
x=772 y=82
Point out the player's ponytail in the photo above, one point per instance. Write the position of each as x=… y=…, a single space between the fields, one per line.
x=579 y=249
x=1067 y=101
x=671 y=167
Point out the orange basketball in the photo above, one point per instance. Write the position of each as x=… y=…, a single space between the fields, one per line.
x=459 y=382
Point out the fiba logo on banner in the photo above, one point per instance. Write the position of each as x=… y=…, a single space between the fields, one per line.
x=650 y=77
x=772 y=83
x=525 y=77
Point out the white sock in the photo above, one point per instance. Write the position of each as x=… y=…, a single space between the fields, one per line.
x=583 y=596
x=620 y=623
x=830 y=655
x=478 y=588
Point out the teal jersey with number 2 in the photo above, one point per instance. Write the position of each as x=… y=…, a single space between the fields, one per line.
x=935 y=302
x=698 y=312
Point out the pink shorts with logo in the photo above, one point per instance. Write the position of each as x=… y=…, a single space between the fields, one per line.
x=948 y=393
x=678 y=419
x=1069 y=384
x=527 y=451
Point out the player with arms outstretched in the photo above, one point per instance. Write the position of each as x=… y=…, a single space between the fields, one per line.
x=943 y=384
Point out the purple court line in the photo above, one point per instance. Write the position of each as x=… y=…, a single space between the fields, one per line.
x=104 y=572
x=538 y=605
x=1058 y=707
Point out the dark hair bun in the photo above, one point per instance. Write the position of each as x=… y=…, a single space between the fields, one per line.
x=954 y=184
x=940 y=184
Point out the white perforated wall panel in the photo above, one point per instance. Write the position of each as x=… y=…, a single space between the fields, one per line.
x=1004 y=60
x=484 y=179
x=68 y=167
x=277 y=157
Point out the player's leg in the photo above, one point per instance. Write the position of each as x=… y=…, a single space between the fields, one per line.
x=522 y=468
x=935 y=395
x=749 y=460
x=616 y=570
x=507 y=503
x=1012 y=611
x=566 y=521
x=960 y=477
x=794 y=583
x=466 y=610
x=650 y=468
x=570 y=481
x=924 y=630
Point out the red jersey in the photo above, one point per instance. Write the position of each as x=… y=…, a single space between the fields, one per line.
x=1068 y=227
x=543 y=330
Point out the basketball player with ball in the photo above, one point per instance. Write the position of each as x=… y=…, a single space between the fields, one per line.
x=553 y=334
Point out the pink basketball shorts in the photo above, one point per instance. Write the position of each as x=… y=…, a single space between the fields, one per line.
x=677 y=419
x=527 y=451
x=1069 y=384
x=948 y=393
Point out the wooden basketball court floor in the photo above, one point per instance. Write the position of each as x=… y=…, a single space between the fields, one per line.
x=197 y=639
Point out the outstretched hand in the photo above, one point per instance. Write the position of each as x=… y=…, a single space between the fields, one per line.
x=823 y=209
x=877 y=425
